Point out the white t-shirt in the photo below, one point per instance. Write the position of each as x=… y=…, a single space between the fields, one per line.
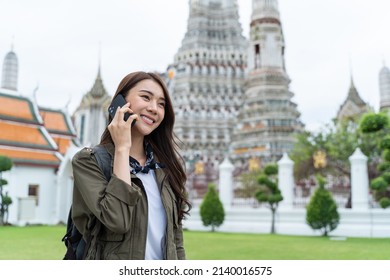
x=157 y=220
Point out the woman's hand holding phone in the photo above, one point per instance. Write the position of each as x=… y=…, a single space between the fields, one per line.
x=119 y=128
x=119 y=101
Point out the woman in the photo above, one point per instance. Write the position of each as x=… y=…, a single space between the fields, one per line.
x=142 y=206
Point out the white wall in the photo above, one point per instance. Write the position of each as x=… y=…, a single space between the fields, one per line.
x=19 y=178
x=371 y=223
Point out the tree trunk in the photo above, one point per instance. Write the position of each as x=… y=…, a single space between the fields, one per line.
x=1 y=202
x=325 y=232
x=273 y=210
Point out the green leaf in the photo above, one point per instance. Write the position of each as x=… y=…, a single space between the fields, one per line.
x=372 y=122
x=5 y=163
x=379 y=184
x=384 y=202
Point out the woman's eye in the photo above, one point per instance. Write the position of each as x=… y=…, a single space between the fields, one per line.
x=145 y=97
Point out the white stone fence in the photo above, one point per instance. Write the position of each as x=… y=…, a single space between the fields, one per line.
x=359 y=221
x=359 y=182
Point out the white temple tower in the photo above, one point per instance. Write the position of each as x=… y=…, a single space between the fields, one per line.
x=384 y=87
x=207 y=87
x=268 y=118
x=90 y=118
x=9 y=79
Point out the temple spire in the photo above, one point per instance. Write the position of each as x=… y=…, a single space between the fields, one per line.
x=12 y=43
x=10 y=71
x=268 y=119
x=266 y=34
x=384 y=87
x=99 y=59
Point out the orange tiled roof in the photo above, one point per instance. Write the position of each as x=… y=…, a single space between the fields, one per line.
x=56 y=121
x=30 y=137
x=59 y=126
x=20 y=134
x=62 y=143
x=31 y=157
x=17 y=108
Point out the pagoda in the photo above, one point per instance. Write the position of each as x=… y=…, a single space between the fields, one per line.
x=207 y=85
x=268 y=118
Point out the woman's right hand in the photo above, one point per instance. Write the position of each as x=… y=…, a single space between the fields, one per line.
x=120 y=129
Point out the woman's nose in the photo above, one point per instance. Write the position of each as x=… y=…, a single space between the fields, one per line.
x=152 y=107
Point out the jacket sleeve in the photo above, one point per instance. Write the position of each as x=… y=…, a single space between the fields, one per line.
x=111 y=202
x=181 y=255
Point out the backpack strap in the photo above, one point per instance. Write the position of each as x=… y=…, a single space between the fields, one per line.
x=104 y=160
x=72 y=237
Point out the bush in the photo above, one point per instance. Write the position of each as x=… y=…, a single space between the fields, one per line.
x=322 y=210
x=271 y=169
x=385 y=143
x=379 y=184
x=211 y=209
x=373 y=122
x=386 y=177
x=384 y=202
x=5 y=200
x=386 y=155
x=384 y=166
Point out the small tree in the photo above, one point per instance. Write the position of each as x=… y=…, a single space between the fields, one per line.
x=372 y=123
x=211 y=209
x=322 y=209
x=269 y=191
x=5 y=200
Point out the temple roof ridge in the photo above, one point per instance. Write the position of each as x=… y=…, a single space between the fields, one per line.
x=98 y=89
x=354 y=96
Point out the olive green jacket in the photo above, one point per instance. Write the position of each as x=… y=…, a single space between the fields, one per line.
x=122 y=211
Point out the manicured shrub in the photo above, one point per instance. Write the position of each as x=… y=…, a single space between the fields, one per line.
x=322 y=211
x=211 y=209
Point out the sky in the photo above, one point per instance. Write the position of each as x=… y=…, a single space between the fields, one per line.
x=60 y=45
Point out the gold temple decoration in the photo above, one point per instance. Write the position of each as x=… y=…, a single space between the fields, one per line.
x=254 y=164
x=171 y=74
x=319 y=159
x=199 y=168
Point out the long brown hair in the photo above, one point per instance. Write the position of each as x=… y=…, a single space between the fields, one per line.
x=162 y=139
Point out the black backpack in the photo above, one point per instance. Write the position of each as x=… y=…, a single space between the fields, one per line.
x=73 y=239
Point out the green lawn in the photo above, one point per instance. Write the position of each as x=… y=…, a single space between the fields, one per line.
x=44 y=243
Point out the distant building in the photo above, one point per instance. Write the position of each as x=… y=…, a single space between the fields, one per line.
x=268 y=118
x=36 y=140
x=353 y=107
x=384 y=87
x=207 y=86
x=91 y=116
x=9 y=79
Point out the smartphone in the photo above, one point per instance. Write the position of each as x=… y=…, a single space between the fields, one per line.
x=119 y=101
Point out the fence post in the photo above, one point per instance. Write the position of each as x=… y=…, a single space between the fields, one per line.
x=226 y=183
x=286 y=181
x=359 y=180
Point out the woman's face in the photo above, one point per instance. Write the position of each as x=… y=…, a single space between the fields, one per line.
x=148 y=102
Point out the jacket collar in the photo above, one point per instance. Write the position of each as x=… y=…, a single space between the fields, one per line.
x=160 y=174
